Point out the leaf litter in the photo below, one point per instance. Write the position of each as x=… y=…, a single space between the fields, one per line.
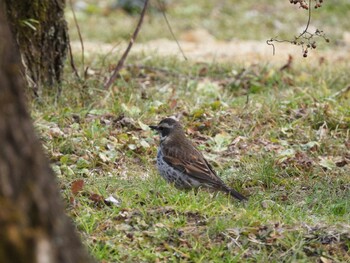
x=277 y=155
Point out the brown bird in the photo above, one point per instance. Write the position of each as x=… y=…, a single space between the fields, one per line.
x=180 y=163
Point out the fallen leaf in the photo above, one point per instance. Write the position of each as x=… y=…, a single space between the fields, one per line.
x=103 y=156
x=327 y=163
x=203 y=71
x=132 y=110
x=221 y=140
x=238 y=139
x=312 y=146
x=322 y=131
x=111 y=200
x=285 y=154
x=340 y=162
x=325 y=260
x=143 y=126
x=144 y=144
x=96 y=198
x=288 y=65
x=123 y=121
x=77 y=186
x=56 y=132
x=173 y=104
x=132 y=146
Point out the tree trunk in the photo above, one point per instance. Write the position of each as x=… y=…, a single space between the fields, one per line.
x=33 y=225
x=42 y=36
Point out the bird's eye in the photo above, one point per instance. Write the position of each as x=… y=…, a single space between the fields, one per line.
x=161 y=128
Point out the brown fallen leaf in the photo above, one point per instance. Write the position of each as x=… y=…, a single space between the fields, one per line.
x=341 y=162
x=203 y=71
x=77 y=186
x=288 y=65
x=96 y=198
x=173 y=104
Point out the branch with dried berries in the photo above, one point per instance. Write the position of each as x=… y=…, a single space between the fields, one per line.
x=305 y=39
x=303 y=3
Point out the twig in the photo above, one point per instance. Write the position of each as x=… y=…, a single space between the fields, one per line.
x=126 y=52
x=308 y=22
x=161 y=6
x=72 y=60
x=270 y=43
x=247 y=100
x=233 y=240
x=305 y=39
x=80 y=37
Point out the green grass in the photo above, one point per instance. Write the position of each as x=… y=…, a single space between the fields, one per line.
x=225 y=20
x=270 y=148
x=286 y=145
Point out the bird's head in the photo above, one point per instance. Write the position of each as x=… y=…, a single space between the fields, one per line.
x=168 y=127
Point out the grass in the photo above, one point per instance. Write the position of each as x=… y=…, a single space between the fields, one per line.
x=286 y=147
x=225 y=20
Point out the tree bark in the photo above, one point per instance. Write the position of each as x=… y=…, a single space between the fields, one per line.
x=41 y=33
x=33 y=225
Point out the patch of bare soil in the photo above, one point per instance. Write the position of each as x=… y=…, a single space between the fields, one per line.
x=200 y=46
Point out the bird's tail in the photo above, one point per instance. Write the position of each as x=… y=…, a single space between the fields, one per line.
x=236 y=195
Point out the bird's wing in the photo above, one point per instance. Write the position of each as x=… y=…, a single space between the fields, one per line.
x=193 y=164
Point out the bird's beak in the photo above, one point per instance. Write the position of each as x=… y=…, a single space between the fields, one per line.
x=154 y=127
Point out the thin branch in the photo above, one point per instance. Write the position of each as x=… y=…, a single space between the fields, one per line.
x=126 y=52
x=170 y=29
x=72 y=60
x=80 y=37
x=270 y=43
x=308 y=21
x=305 y=39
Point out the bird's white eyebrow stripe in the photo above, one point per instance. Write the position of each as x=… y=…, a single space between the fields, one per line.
x=166 y=125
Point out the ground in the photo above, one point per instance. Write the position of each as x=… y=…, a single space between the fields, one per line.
x=276 y=131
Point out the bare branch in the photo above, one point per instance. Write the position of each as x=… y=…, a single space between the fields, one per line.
x=305 y=39
x=72 y=60
x=80 y=39
x=126 y=52
x=161 y=6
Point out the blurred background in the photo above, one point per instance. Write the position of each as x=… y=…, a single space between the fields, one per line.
x=207 y=30
x=112 y=20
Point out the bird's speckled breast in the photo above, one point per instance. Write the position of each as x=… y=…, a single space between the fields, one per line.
x=179 y=179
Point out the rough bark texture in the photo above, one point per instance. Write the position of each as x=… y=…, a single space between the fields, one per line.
x=41 y=34
x=33 y=225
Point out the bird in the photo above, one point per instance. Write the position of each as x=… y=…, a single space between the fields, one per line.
x=180 y=163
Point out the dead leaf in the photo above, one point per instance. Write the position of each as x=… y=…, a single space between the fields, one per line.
x=143 y=126
x=311 y=146
x=285 y=154
x=288 y=65
x=123 y=121
x=326 y=163
x=322 y=131
x=111 y=200
x=72 y=201
x=340 y=162
x=203 y=71
x=77 y=186
x=96 y=198
x=56 y=132
x=325 y=260
x=238 y=139
x=173 y=103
